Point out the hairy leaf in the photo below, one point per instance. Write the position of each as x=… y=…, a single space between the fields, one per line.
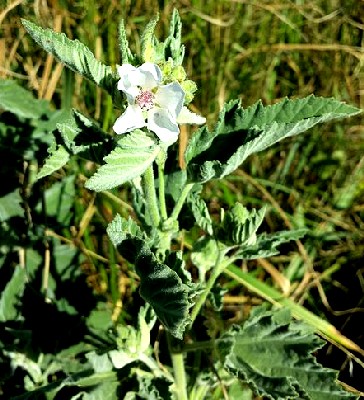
x=274 y=354
x=267 y=245
x=241 y=132
x=82 y=136
x=58 y=158
x=200 y=212
x=149 y=42
x=133 y=155
x=172 y=45
x=73 y=54
x=160 y=286
x=126 y=55
x=20 y=101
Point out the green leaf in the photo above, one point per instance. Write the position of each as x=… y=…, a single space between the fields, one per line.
x=241 y=132
x=10 y=206
x=59 y=200
x=126 y=55
x=120 y=229
x=172 y=45
x=149 y=42
x=153 y=387
x=266 y=245
x=134 y=154
x=20 y=101
x=160 y=286
x=73 y=54
x=10 y=295
x=200 y=212
x=274 y=354
x=82 y=136
x=58 y=158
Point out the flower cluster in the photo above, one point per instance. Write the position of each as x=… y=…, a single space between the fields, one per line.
x=152 y=104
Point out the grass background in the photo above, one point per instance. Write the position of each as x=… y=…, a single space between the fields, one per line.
x=251 y=50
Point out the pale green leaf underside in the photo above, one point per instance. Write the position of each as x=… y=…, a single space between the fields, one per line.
x=242 y=132
x=73 y=54
x=133 y=155
x=275 y=355
x=54 y=162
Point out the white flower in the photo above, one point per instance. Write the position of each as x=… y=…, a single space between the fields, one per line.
x=151 y=104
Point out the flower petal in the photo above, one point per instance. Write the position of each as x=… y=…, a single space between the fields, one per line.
x=130 y=79
x=131 y=119
x=171 y=97
x=152 y=75
x=163 y=124
x=188 y=117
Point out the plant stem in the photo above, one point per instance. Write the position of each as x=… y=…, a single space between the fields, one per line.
x=150 y=195
x=179 y=371
x=218 y=268
x=178 y=207
x=162 y=196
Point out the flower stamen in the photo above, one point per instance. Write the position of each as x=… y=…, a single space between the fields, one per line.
x=145 y=100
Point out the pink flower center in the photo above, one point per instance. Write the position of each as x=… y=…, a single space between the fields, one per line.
x=145 y=100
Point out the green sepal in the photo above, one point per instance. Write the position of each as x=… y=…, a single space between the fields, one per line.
x=241 y=132
x=160 y=286
x=74 y=54
x=239 y=226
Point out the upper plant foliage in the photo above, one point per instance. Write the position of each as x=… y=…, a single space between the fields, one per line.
x=74 y=54
x=241 y=132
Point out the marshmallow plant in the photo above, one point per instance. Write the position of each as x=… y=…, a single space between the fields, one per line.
x=270 y=354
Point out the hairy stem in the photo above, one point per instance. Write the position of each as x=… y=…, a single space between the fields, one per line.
x=178 y=207
x=162 y=196
x=178 y=371
x=150 y=195
x=216 y=271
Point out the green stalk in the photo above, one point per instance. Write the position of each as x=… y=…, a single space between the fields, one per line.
x=179 y=372
x=150 y=195
x=162 y=196
x=216 y=271
x=178 y=207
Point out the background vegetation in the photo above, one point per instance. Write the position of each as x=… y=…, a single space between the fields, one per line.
x=246 y=49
